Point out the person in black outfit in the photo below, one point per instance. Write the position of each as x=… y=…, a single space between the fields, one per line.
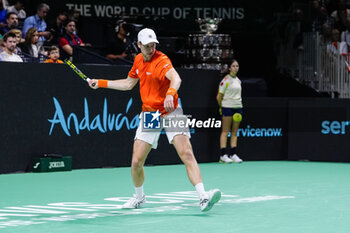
x=56 y=27
x=116 y=48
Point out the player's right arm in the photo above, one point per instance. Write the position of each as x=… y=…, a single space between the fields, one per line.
x=219 y=97
x=222 y=88
x=119 y=84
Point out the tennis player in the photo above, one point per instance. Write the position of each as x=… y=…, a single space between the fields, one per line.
x=159 y=83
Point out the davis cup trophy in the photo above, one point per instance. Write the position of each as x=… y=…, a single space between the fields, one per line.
x=208 y=25
x=207 y=50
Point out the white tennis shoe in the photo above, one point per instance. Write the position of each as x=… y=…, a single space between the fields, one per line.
x=213 y=197
x=134 y=202
x=236 y=159
x=225 y=159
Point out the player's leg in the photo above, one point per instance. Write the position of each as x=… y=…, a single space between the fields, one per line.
x=143 y=143
x=184 y=149
x=180 y=138
x=225 y=129
x=139 y=155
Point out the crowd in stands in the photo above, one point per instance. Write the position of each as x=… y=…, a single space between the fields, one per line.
x=331 y=19
x=32 y=39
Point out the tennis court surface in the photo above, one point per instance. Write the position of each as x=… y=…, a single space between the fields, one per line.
x=258 y=197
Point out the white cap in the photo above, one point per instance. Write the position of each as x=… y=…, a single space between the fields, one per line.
x=147 y=36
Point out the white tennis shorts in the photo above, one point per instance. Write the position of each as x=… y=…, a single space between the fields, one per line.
x=173 y=124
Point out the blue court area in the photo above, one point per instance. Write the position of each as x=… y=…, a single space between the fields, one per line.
x=264 y=197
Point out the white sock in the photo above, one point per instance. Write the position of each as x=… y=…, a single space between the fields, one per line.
x=139 y=192
x=200 y=190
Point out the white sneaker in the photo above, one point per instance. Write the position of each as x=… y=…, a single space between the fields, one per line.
x=134 y=203
x=214 y=196
x=225 y=159
x=236 y=159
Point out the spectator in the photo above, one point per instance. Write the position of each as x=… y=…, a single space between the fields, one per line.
x=56 y=27
x=69 y=39
x=345 y=35
x=295 y=28
x=340 y=15
x=9 y=42
x=38 y=21
x=326 y=33
x=322 y=18
x=336 y=46
x=12 y=22
x=18 y=34
x=2 y=15
x=54 y=54
x=75 y=15
x=314 y=13
x=18 y=9
x=31 y=46
x=116 y=48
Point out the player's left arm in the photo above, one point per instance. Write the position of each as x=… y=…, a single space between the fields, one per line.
x=175 y=82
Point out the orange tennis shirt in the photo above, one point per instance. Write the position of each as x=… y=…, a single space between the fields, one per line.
x=153 y=83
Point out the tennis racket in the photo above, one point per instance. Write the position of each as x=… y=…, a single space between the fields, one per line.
x=77 y=71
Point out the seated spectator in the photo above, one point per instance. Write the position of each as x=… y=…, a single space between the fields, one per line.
x=31 y=46
x=56 y=27
x=18 y=9
x=69 y=39
x=75 y=15
x=54 y=54
x=38 y=21
x=18 y=34
x=9 y=42
x=2 y=15
x=12 y=22
x=116 y=48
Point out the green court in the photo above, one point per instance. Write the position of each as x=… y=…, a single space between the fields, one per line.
x=258 y=197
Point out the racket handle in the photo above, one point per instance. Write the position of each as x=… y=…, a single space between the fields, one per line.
x=93 y=84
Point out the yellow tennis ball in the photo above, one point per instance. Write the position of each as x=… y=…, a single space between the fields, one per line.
x=237 y=117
